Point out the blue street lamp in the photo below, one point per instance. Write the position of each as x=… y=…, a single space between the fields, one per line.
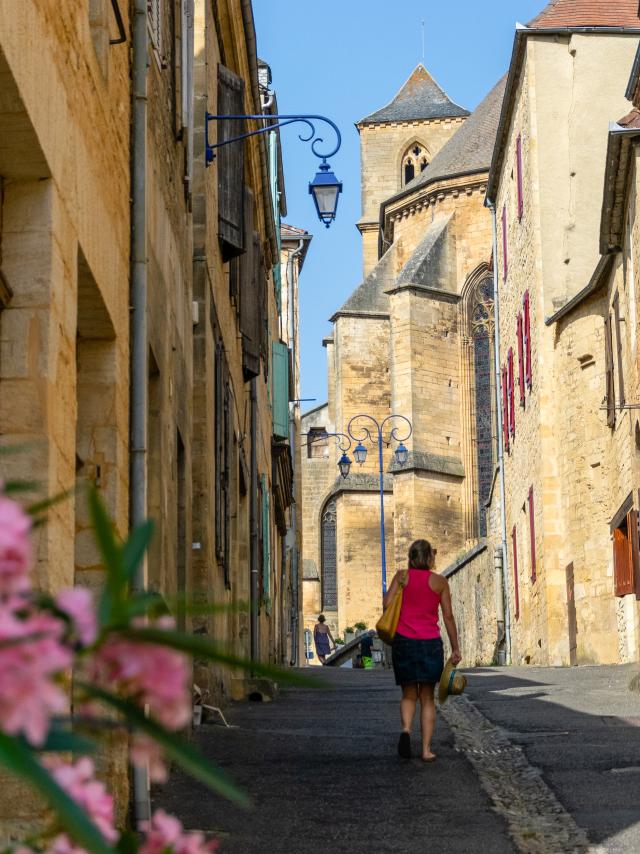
x=377 y=434
x=325 y=187
x=344 y=463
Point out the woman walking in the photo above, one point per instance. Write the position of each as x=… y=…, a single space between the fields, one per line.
x=323 y=639
x=417 y=650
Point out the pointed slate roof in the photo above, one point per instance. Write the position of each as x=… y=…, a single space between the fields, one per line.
x=587 y=13
x=420 y=98
x=469 y=150
x=370 y=297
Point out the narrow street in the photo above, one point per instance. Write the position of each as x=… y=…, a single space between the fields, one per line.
x=535 y=760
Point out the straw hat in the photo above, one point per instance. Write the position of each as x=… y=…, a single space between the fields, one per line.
x=451 y=682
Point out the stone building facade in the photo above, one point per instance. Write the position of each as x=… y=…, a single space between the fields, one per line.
x=414 y=339
x=177 y=312
x=570 y=461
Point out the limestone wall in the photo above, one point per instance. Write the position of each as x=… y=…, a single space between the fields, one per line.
x=472 y=583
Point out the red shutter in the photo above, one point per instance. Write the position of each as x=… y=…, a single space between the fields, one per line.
x=516 y=591
x=527 y=341
x=622 y=564
x=512 y=396
x=519 y=177
x=505 y=258
x=505 y=410
x=532 y=536
x=521 y=361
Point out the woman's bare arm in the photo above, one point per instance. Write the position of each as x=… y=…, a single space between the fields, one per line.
x=449 y=622
x=388 y=596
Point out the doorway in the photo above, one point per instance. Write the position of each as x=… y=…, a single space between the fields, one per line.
x=572 y=620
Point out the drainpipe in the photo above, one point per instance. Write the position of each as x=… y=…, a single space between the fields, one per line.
x=498 y=575
x=498 y=382
x=138 y=329
x=253 y=521
x=292 y=534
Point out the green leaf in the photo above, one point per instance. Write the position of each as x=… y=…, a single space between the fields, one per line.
x=200 y=647
x=174 y=746
x=115 y=590
x=12 y=487
x=128 y=843
x=64 y=740
x=21 y=760
x=40 y=506
x=135 y=547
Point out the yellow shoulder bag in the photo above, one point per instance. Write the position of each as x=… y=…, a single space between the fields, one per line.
x=388 y=622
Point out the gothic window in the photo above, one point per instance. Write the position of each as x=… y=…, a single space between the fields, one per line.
x=329 y=565
x=481 y=334
x=414 y=160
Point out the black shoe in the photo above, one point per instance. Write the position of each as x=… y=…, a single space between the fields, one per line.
x=404 y=745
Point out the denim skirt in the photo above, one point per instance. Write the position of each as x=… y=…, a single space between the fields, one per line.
x=417 y=660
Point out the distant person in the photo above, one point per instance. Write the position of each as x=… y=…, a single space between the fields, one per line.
x=417 y=650
x=323 y=639
x=366 y=648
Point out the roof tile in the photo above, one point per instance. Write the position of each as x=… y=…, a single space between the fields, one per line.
x=419 y=98
x=587 y=13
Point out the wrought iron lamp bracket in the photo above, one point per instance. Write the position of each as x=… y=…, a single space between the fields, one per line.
x=276 y=122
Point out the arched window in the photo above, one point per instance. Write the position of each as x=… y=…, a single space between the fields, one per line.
x=328 y=555
x=481 y=334
x=415 y=157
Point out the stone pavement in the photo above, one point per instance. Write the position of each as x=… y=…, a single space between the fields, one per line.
x=532 y=759
x=322 y=769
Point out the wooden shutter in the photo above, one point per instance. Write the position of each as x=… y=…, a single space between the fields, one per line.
x=230 y=164
x=505 y=256
x=219 y=426
x=512 y=400
x=622 y=563
x=154 y=22
x=280 y=384
x=250 y=318
x=616 y=312
x=266 y=542
x=527 y=341
x=532 y=536
x=516 y=589
x=521 y=383
x=187 y=9
x=610 y=395
x=505 y=410
x=519 y=177
x=634 y=549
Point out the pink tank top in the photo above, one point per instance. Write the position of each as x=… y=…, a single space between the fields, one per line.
x=419 y=612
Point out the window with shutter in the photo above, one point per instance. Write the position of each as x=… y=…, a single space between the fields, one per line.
x=505 y=410
x=521 y=382
x=516 y=588
x=528 y=374
x=186 y=87
x=532 y=536
x=616 y=313
x=505 y=256
x=626 y=555
x=512 y=400
x=519 y=177
x=610 y=392
x=280 y=381
x=266 y=543
x=230 y=164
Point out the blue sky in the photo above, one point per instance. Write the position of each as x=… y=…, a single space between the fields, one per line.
x=344 y=59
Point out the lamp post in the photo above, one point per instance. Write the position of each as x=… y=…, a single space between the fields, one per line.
x=362 y=433
x=325 y=187
x=342 y=441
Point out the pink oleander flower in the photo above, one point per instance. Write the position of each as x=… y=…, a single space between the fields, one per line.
x=15 y=547
x=90 y=794
x=29 y=693
x=165 y=833
x=148 y=674
x=77 y=603
x=146 y=751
